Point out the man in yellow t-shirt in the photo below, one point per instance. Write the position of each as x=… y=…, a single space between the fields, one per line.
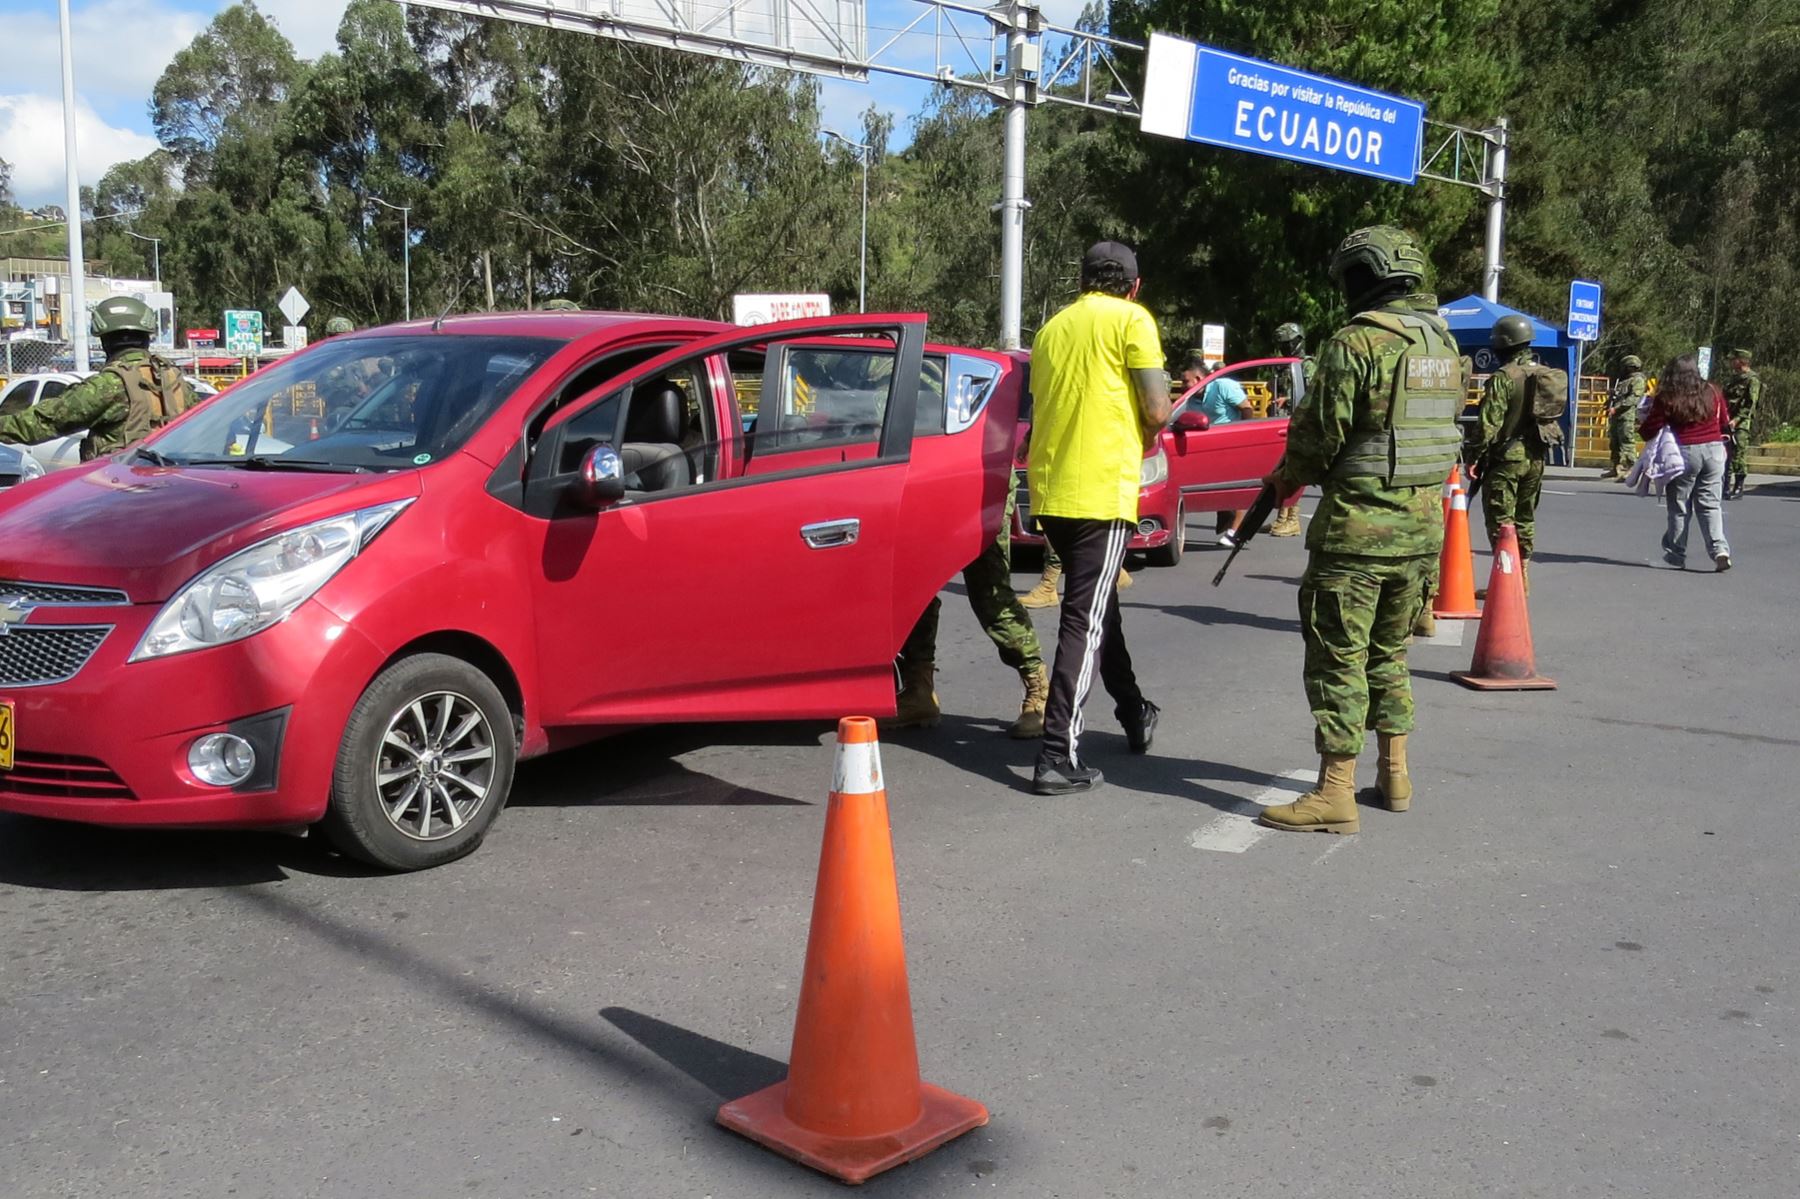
x=1099 y=400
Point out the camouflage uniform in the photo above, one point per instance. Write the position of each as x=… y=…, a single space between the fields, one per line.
x=1621 y=416
x=1743 y=392
x=989 y=583
x=1512 y=473
x=132 y=396
x=1374 y=547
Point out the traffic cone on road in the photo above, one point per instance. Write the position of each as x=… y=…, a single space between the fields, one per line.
x=1504 y=659
x=313 y=434
x=852 y=1104
x=1450 y=486
x=1456 y=564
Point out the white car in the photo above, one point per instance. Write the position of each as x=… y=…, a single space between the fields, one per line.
x=16 y=466
x=28 y=391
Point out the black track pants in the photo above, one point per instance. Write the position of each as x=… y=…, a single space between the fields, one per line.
x=1092 y=551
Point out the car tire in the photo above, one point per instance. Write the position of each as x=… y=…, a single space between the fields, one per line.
x=1170 y=554
x=425 y=765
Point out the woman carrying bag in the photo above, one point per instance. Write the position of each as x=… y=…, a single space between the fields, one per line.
x=1694 y=411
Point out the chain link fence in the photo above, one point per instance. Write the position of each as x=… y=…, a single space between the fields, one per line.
x=28 y=355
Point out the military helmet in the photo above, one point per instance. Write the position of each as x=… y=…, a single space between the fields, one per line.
x=1744 y=354
x=1511 y=332
x=1385 y=251
x=560 y=304
x=123 y=314
x=337 y=325
x=1632 y=362
x=1289 y=334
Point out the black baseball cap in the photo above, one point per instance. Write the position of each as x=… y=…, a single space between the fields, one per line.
x=1102 y=252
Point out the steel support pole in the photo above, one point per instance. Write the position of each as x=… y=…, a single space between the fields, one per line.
x=406 y=258
x=75 y=318
x=1496 y=225
x=1012 y=188
x=862 y=275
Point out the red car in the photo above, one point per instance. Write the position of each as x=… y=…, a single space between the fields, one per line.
x=1195 y=467
x=358 y=587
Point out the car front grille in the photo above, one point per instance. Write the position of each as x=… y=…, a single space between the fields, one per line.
x=32 y=657
x=59 y=593
x=60 y=776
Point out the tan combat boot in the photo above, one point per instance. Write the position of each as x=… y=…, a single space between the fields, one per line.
x=1392 y=782
x=1030 y=724
x=917 y=705
x=1287 y=523
x=1426 y=625
x=1044 y=594
x=1124 y=579
x=1525 y=574
x=1329 y=807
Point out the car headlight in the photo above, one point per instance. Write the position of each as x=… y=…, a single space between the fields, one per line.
x=29 y=468
x=1154 y=470
x=259 y=586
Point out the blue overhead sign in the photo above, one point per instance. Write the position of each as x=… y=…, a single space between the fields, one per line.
x=1204 y=95
x=1584 y=310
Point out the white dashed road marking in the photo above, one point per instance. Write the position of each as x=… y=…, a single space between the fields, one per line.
x=1236 y=831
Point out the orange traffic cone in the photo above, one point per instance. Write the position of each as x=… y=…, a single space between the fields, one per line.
x=1504 y=659
x=1450 y=486
x=1456 y=564
x=314 y=432
x=852 y=1104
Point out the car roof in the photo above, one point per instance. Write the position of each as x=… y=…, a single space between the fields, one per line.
x=565 y=325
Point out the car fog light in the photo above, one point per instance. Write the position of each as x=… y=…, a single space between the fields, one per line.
x=222 y=759
x=1148 y=526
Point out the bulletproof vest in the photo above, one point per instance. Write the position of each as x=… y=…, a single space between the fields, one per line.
x=155 y=394
x=1419 y=441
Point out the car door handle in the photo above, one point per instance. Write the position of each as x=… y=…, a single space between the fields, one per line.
x=830 y=534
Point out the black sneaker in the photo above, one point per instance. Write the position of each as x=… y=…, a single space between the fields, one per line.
x=1056 y=775
x=1140 y=726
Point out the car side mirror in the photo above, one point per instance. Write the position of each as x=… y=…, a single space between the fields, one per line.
x=600 y=480
x=1193 y=422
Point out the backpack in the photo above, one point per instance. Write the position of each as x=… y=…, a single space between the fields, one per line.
x=1545 y=392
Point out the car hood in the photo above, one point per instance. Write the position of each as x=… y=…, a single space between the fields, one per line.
x=147 y=531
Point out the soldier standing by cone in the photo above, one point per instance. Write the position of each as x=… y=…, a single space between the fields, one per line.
x=1511 y=455
x=129 y=398
x=988 y=581
x=1622 y=417
x=1290 y=342
x=1378 y=435
x=1743 y=392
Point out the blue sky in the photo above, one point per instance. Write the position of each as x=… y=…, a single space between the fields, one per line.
x=121 y=46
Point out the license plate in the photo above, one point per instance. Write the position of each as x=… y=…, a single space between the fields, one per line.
x=6 y=736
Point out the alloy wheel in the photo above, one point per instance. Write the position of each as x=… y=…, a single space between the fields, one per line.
x=436 y=765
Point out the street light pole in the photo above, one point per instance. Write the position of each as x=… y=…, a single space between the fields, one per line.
x=862 y=280
x=75 y=319
x=405 y=212
x=155 y=250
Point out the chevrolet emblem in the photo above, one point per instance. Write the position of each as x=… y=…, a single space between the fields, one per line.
x=13 y=610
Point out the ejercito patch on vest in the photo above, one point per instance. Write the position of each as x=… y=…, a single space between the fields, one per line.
x=1432 y=374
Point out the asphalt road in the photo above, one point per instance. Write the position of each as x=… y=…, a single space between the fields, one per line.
x=1570 y=970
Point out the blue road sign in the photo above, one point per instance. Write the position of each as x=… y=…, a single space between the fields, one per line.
x=1244 y=104
x=1584 y=310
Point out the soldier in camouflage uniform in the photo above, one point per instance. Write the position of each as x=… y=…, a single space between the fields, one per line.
x=1621 y=417
x=988 y=581
x=129 y=398
x=1510 y=457
x=1290 y=342
x=1743 y=392
x=1378 y=435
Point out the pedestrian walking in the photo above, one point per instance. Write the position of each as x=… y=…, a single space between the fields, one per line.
x=1378 y=435
x=1622 y=417
x=988 y=582
x=1743 y=392
x=1100 y=398
x=1697 y=413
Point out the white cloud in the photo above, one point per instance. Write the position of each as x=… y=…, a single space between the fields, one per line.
x=121 y=47
x=31 y=139
x=310 y=24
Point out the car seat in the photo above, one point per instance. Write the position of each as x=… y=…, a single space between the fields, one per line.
x=654 y=427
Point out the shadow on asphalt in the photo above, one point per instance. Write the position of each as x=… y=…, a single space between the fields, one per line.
x=53 y=856
x=1207 y=614
x=725 y=1070
x=1591 y=559
x=639 y=769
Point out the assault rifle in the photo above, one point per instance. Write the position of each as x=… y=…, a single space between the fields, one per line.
x=1260 y=511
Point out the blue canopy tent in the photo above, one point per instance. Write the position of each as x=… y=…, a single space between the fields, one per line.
x=1471 y=320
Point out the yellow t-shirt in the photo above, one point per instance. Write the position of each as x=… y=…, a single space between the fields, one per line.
x=1087 y=442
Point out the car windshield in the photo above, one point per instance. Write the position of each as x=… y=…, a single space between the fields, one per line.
x=367 y=403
